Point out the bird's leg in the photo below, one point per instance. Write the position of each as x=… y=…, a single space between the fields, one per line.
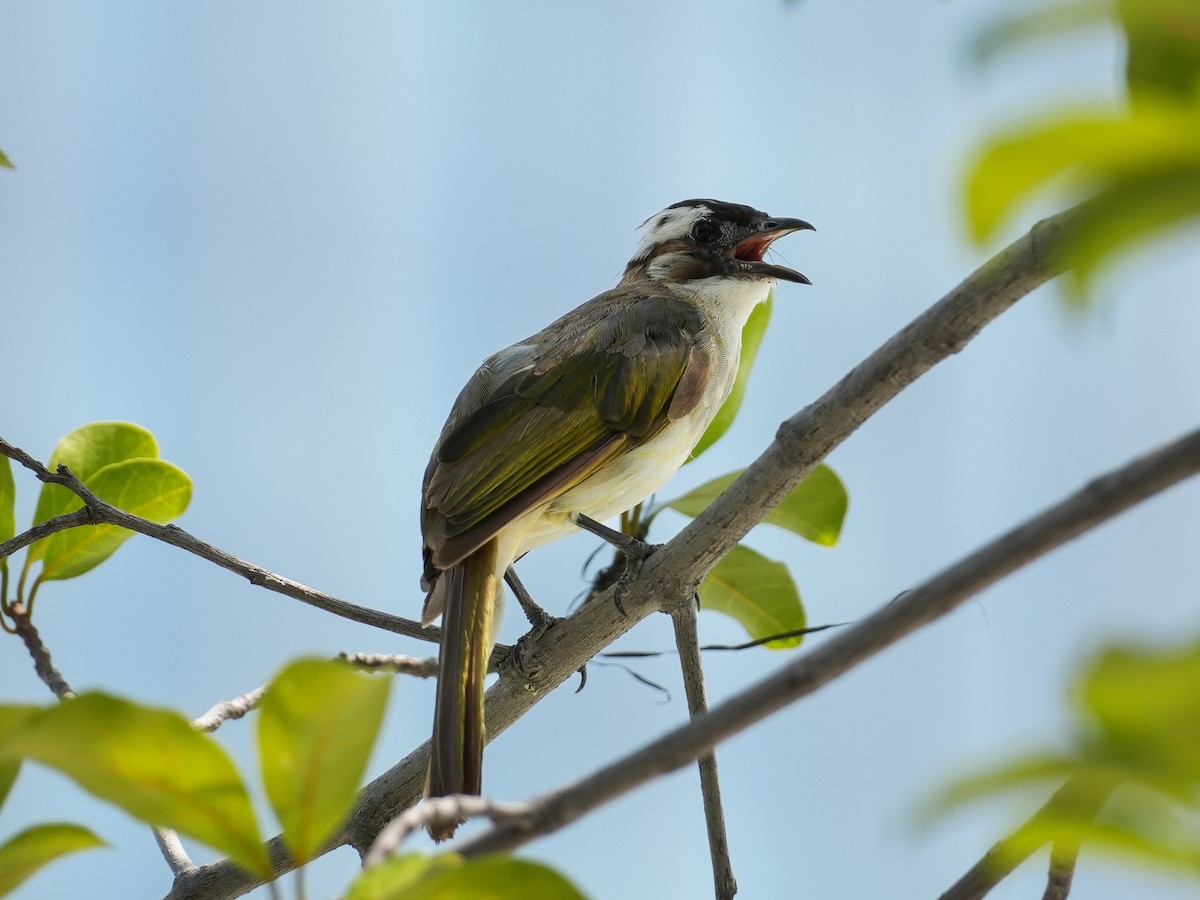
x=635 y=550
x=538 y=618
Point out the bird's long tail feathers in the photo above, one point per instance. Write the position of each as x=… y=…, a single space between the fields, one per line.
x=456 y=755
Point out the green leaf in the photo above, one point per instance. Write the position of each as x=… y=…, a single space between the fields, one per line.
x=390 y=879
x=8 y=505
x=758 y=592
x=34 y=847
x=9 y=769
x=150 y=488
x=815 y=509
x=752 y=336
x=317 y=725
x=5 y=161
x=151 y=763
x=8 y=500
x=85 y=451
x=449 y=877
x=1164 y=46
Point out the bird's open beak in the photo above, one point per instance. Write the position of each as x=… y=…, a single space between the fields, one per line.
x=752 y=249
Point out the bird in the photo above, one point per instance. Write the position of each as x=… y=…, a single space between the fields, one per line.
x=574 y=425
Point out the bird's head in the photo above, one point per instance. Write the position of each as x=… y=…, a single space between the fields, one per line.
x=699 y=239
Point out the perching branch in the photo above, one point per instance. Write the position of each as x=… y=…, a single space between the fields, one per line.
x=1097 y=502
x=678 y=568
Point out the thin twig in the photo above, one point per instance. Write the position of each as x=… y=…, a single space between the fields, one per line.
x=225 y=710
x=102 y=512
x=168 y=841
x=676 y=569
x=83 y=516
x=435 y=811
x=172 y=851
x=1098 y=502
x=42 y=664
x=417 y=666
x=1063 y=857
x=687 y=641
x=1084 y=796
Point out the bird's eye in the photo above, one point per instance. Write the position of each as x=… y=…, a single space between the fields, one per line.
x=705 y=231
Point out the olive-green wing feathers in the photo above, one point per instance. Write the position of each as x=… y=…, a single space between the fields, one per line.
x=574 y=401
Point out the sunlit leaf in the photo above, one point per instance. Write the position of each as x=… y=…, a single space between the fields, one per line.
x=752 y=335
x=151 y=763
x=150 y=488
x=85 y=451
x=317 y=725
x=815 y=509
x=758 y=592
x=34 y=847
x=1041 y=23
x=5 y=161
x=448 y=877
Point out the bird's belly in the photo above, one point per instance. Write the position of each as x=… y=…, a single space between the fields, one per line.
x=618 y=485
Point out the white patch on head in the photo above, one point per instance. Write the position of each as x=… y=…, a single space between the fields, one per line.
x=669 y=225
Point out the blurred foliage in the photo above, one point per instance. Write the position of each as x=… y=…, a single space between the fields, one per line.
x=1138 y=167
x=316 y=728
x=5 y=162
x=23 y=854
x=450 y=877
x=150 y=762
x=1132 y=772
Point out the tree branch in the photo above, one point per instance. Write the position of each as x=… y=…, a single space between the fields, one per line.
x=676 y=569
x=1095 y=503
x=687 y=641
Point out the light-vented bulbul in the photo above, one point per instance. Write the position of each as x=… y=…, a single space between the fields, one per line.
x=579 y=423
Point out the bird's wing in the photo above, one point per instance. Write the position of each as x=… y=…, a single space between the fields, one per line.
x=538 y=431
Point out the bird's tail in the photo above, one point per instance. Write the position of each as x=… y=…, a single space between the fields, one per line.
x=456 y=754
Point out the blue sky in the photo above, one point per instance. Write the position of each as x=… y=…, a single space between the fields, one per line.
x=282 y=235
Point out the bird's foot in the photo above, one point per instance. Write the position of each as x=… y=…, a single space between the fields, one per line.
x=636 y=553
x=635 y=550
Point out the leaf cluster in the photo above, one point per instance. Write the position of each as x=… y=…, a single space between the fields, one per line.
x=117 y=461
